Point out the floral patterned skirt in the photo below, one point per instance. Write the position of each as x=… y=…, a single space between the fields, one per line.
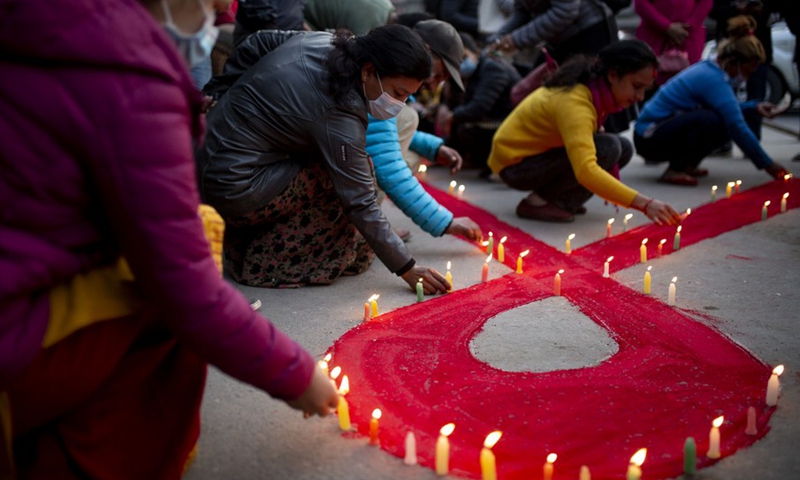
x=301 y=237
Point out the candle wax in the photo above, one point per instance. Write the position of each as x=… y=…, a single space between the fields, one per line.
x=488 y=467
x=676 y=244
x=671 y=295
x=557 y=285
x=449 y=278
x=519 y=264
x=366 y=311
x=442 y=455
x=713 y=443
x=689 y=456
x=501 y=253
x=751 y=422
x=373 y=431
x=374 y=308
x=548 y=471
x=605 y=270
x=411 y=449
x=772 y=390
x=634 y=472
x=585 y=474
x=647 y=283
x=344 y=413
x=485 y=273
x=420 y=291
x=643 y=254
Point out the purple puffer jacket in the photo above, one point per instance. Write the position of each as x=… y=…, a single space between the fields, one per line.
x=98 y=118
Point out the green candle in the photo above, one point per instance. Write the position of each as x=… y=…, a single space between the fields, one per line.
x=420 y=291
x=676 y=245
x=689 y=457
x=764 y=210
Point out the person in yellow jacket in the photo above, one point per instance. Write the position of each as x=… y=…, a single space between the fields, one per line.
x=551 y=144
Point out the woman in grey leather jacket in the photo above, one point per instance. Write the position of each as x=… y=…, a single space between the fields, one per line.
x=284 y=160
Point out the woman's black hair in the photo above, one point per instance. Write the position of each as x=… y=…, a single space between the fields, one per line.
x=623 y=57
x=394 y=50
x=469 y=42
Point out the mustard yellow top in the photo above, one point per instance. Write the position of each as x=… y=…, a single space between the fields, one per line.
x=553 y=118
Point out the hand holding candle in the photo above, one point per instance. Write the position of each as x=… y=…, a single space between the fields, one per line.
x=442 y=454
x=643 y=252
x=373 y=426
x=714 y=438
x=487 y=460
x=635 y=467
x=519 y=260
x=774 y=386
x=557 y=283
x=568 y=244
x=548 y=466
x=647 y=281
x=501 y=250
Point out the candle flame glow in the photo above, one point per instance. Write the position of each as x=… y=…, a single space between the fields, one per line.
x=422 y=168
x=552 y=458
x=453 y=184
x=571 y=236
x=489 y=258
x=674 y=279
x=344 y=388
x=561 y=271
x=373 y=298
x=336 y=372
x=485 y=244
x=638 y=457
x=738 y=182
x=492 y=439
x=447 y=429
x=688 y=211
x=328 y=357
x=718 y=421
x=644 y=241
x=766 y=204
x=461 y=188
x=680 y=228
x=323 y=364
x=610 y=221
x=491 y=234
x=503 y=239
x=376 y=414
x=448 y=265
x=649 y=268
x=787 y=177
x=777 y=370
x=628 y=216
x=663 y=241
x=786 y=195
x=524 y=253
x=714 y=188
x=610 y=258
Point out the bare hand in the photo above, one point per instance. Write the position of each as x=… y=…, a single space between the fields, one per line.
x=678 y=32
x=449 y=157
x=320 y=398
x=465 y=227
x=432 y=281
x=768 y=110
x=662 y=213
x=776 y=170
x=504 y=44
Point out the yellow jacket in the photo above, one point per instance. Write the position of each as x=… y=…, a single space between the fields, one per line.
x=553 y=118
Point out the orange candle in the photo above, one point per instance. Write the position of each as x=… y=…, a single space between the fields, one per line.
x=373 y=426
x=608 y=227
x=485 y=271
x=557 y=283
x=519 y=260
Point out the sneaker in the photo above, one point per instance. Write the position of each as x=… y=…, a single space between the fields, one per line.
x=255 y=304
x=545 y=213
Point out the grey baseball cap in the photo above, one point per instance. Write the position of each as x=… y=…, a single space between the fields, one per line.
x=445 y=42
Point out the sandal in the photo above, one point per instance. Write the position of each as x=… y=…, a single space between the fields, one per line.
x=678 y=178
x=696 y=172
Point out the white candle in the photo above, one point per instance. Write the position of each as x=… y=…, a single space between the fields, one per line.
x=605 y=267
x=442 y=456
x=569 y=243
x=625 y=222
x=411 y=449
x=487 y=460
x=671 y=295
x=713 y=438
x=461 y=189
x=548 y=466
x=783 y=202
x=774 y=386
x=635 y=467
x=485 y=270
x=453 y=186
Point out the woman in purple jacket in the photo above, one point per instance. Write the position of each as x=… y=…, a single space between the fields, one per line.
x=110 y=302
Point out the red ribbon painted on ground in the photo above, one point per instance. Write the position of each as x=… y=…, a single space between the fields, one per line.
x=670 y=378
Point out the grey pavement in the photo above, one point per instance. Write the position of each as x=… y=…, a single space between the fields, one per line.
x=748 y=280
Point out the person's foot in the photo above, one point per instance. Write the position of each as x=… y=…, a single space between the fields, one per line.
x=678 y=178
x=545 y=213
x=697 y=172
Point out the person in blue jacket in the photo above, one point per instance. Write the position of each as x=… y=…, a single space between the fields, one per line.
x=697 y=111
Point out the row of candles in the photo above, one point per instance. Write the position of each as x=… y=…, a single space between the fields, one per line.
x=488 y=463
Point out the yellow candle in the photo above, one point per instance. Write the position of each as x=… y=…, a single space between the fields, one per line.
x=519 y=260
x=461 y=189
x=585 y=474
x=488 y=466
x=373 y=426
x=453 y=186
x=647 y=281
x=548 y=466
x=442 y=457
x=501 y=250
x=557 y=283
x=729 y=189
x=606 y=265
x=713 y=438
x=661 y=246
x=485 y=271
x=449 y=277
x=608 y=227
x=643 y=251
x=373 y=300
x=635 y=467
x=569 y=243
x=625 y=222
x=344 y=408
x=783 y=202
x=774 y=386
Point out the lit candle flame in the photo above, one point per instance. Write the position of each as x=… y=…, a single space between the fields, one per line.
x=638 y=457
x=328 y=357
x=610 y=221
x=491 y=234
x=448 y=265
x=373 y=298
x=461 y=189
x=486 y=243
x=489 y=258
x=787 y=177
x=628 y=216
x=571 y=236
x=766 y=204
x=738 y=182
x=610 y=258
x=644 y=241
x=503 y=239
x=731 y=184
x=663 y=241
x=344 y=388
x=778 y=370
x=524 y=253
x=674 y=279
x=714 y=188
x=453 y=184
x=422 y=168
x=376 y=414
x=492 y=439
x=680 y=228
x=323 y=364
x=649 y=268
x=786 y=195
x=552 y=458
x=718 y=421
x=336 y=372
x=447 y=429
x=561 y=271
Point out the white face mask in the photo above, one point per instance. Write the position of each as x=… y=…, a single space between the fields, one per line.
x=385 y=106
x=195 y=47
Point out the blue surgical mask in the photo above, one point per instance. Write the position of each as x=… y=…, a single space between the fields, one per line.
x=468 y=67
x=385 y=106
x=195 y=47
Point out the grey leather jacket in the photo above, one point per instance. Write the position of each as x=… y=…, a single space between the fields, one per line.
x=274 y=115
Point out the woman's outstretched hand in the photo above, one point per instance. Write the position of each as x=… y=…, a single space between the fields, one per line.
x=432 y=281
